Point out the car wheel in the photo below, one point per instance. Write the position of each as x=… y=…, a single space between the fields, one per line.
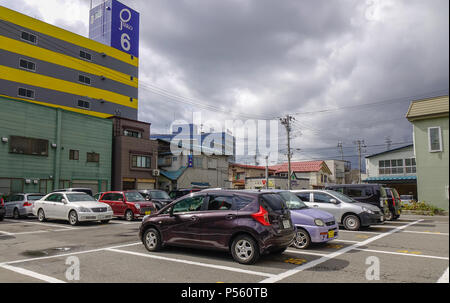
x=129 y=215
x=302 y=239
x=245 y=250
x=105 y=221
x=41 y=215
x=73 y=218
x=390 y=216
x=16 y=214
x=152 y=239
x=351 y=222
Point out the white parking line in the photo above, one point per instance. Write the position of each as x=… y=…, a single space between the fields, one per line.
x=300 y=268
x=402 y=254
x=32 y=274
x=45 y=224
x=69 y=254
x=6 y=233
x=250 y=272
x=425 y=232
x=302 y=252
x=444 y=277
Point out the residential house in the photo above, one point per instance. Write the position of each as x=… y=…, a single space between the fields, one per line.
x=340 y=171
x=429 y=118
x=317 y=172
x=135 y=156
x=394 y=168
x=190 y=170
x=238 y=173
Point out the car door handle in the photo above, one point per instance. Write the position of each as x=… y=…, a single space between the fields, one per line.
x=230 y=217
x=194 y=218
x=316 y=206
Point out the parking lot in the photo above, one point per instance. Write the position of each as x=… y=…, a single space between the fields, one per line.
x=412 y=249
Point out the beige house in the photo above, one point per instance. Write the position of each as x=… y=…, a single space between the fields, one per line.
x=238 y=173
x=317 y=172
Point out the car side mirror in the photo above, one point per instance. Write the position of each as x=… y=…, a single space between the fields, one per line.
x=64 y=201
x=334 y=201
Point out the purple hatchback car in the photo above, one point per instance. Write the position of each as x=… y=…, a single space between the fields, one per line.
x=313 y=225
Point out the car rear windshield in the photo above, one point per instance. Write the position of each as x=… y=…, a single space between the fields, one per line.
x=34 y=197
x=159 y=195
x=292 y=201
x=79 y=197
x=134 y=197
x=274 y=201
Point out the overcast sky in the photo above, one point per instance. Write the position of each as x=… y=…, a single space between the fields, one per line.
x=265 y=58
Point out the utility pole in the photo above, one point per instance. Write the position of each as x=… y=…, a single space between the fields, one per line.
x=360 y=144
x=388 y=142
x=267 y=172
x=287 y=124
x=341 y=150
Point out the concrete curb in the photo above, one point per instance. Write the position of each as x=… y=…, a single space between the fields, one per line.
x=423 y=213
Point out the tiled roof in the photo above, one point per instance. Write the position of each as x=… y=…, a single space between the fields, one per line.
x=306 y=166
x=250 y=166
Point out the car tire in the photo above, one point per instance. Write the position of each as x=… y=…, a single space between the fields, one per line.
x=105 y=221
x=16 y=214
x=302 y=239
x=351 y=222
x=390 y=216
x=73 y=218
x=152 y=239
x=129 y=216
x=245 y=250
x=41 y=215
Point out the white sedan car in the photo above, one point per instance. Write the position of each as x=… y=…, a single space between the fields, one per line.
x=74 y=207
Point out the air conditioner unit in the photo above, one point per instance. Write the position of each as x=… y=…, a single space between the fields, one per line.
x=155 y=172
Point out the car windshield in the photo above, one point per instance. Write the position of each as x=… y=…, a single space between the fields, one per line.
x=292 y=201
x=34 y=197
x=79 y=197
x=159 y=195
x=342 y=197
x=134 y=197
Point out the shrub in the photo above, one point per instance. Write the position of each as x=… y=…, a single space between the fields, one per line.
x=423 y=207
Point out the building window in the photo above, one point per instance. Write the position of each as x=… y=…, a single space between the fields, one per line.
x=74 y=154
x=27 y=65
x=434 y=139
x=84 y=79
x=93 y=157
x=240 y=176
x=26 y=93
x=29 y=37
x=391 y=167
x=132 y=133
x=84 y=104
x=85 y=55
x=28 y=146
x=197 y=162
x=410 y=166
x=140 y=161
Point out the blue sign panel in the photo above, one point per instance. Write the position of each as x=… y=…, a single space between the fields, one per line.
x=125 y=28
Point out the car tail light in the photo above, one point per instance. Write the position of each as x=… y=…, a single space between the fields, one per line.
x=262 y=216
x=27 y=204
x=1 y=202
x=393 y=200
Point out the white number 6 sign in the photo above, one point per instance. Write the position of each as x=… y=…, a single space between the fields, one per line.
x=125 y=42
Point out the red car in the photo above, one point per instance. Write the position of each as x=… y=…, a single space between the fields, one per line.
x=128 y=204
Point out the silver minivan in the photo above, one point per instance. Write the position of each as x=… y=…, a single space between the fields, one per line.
x=350 y=213
x=20 y=204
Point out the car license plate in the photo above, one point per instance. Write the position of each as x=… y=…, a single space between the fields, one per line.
x=148 y=212
x=286 y=224
x=330 y=234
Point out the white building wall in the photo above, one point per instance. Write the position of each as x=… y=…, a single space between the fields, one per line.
x=372 y=162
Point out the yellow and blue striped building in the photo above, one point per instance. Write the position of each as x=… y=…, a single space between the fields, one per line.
x=47 y=65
